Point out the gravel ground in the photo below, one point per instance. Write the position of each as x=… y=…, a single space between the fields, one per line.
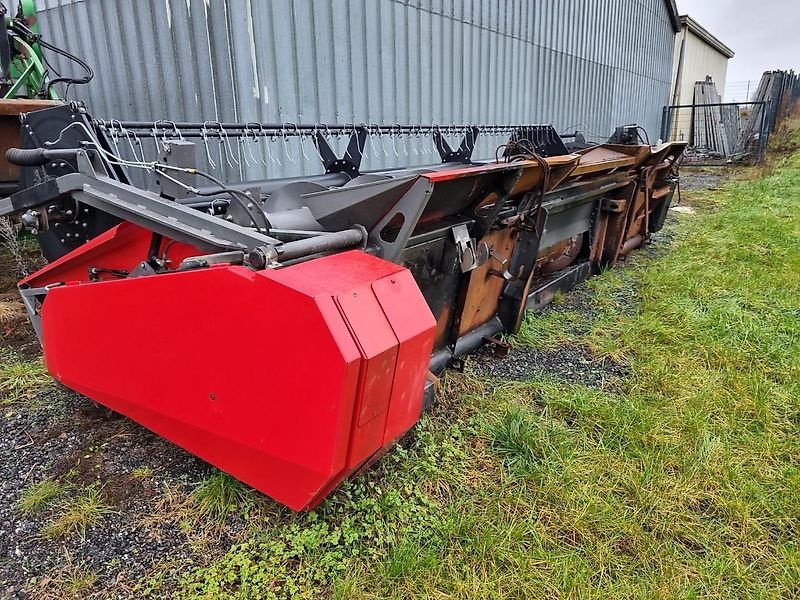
x=144 y=480
x=702 y=178
x=56 y=434
x=571 y=363
x=63 y=436
x=567 y=363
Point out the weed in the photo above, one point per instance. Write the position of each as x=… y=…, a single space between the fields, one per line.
x=77 y=513
x=220 y=496
x=39 y=495
x=9 y=311
x=22 y=378
x=68 y=582
x=142 y=473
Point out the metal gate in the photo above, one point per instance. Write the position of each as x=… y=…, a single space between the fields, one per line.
x=719 y=133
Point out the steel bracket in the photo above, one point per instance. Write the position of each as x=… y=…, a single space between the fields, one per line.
x=471 y=254
x=465 y=149
x=614 y=205
x=503 y=272
x=350 y=163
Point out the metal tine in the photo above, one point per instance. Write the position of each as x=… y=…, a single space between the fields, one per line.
x=302 y=137
x=248 y=132
x=285 y=148
x=317 y=127
x=428 y=147
x=433 y=129
x=241 y=141
x=393 y=138
x=273 y=159
x=129 y=137
x=227 y=144
x=263 y=135
x=114 y=134
x=242 y=160
x=173 y=126
x=204 y=137
x=370 y=133
x=225 y=152
x=138 y=143
x=243 y=163
x=403 y=138
x=417 y=141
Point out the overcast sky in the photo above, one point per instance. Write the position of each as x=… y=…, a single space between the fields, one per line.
x=765 y=34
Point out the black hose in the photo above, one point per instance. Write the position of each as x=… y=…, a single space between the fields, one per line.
x=68 y=80
x=21 y=29
x=235 y=195
x=36 y=157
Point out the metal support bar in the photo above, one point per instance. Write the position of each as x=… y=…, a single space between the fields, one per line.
x=326 y=242
x=170 y=219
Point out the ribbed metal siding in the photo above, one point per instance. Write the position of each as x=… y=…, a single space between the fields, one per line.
x=591 y=65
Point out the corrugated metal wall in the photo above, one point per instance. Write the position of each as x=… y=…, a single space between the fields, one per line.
x=589 y=64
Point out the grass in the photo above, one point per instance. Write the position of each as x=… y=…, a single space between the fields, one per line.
x=39 y=496
x=78 y=582
x=22 y=378
x=77 y=513
x=142 y=473
x=68 y=582
x=219 y=496
x=9 y=311
x=685 y=483
x=786 y=137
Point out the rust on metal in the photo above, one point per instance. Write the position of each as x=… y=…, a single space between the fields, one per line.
x=499 y=348
x=484 y=288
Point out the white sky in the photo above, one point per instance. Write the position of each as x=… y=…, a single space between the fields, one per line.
x=765 y=34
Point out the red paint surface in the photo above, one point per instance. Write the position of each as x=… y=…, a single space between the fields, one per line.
x=288 y=379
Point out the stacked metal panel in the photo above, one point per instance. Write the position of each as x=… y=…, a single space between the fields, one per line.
x=715 y=127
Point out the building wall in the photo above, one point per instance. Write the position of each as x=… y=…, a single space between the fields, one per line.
x=589 y=65
x=700 y=60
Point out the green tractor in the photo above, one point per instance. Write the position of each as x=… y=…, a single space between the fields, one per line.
x=22 y=68
x=26 y=84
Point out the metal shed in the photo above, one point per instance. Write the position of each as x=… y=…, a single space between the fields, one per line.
x=589 y=65
x=698 y=56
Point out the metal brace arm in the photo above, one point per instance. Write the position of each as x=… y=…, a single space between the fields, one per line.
x=167 y=218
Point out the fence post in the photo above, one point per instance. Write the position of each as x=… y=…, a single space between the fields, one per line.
x=765 y=130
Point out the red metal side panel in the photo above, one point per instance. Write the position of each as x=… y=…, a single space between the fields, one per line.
x=121 y=248
x=282 y=378
x=404 y=312
x=378 y=346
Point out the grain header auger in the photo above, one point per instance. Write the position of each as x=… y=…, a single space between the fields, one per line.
x=337 y=296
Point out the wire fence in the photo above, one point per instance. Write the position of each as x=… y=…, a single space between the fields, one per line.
x=741 y=91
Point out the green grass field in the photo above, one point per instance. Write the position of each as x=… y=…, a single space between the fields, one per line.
x=684 y=482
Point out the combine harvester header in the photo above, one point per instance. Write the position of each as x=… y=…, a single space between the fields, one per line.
x=288 y=330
